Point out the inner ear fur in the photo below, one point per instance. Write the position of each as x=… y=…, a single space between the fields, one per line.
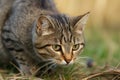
x=80 y=22
x=44 y=25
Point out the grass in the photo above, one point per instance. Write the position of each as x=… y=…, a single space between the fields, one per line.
x=103 y=52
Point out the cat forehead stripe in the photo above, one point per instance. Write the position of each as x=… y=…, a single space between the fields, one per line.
x=62 y=23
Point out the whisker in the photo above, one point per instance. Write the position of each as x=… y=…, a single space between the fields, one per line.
x=47 y=60
x=83 y=57
x=79 y=58
x=48 y=63
x=81 y=63
x=48 y=68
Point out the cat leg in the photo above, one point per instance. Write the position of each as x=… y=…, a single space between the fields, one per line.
x=25 y=63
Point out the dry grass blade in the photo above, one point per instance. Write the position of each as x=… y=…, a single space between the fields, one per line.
x=1 y=78
x=61 y=77
x=109 y=72
x=22 y=78
x=17 y=68
x=48 y=69
x=34 y=73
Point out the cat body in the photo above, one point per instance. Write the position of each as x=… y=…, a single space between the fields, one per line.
x=36 y=32
x=4 y=11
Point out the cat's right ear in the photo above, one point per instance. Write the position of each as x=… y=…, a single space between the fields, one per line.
x=80 y=22
x=44 y=26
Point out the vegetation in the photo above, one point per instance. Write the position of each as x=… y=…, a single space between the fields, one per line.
x=102 y=44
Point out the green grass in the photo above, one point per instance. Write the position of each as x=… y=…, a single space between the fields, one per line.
x=101 y=49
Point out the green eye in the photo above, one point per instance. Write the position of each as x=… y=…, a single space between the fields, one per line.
x=56 y=47
x=76 y=47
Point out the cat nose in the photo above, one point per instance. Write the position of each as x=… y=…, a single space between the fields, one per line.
x=68 y=60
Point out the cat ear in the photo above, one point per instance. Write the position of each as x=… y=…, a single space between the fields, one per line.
x=44 y=26
x=81 y=22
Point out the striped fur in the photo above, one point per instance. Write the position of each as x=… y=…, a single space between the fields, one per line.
x=35 y=33
x=64 y=32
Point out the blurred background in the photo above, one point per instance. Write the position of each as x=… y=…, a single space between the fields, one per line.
x=102 y=34
x=102 y=31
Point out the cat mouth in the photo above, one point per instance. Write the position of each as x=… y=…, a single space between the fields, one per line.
x=64 y=62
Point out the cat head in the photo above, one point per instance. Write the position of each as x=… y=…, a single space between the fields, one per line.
x=59 y=38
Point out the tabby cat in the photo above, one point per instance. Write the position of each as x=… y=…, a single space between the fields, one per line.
x=35 y=32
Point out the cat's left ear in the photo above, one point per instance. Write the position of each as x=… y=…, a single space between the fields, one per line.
x=81 y=22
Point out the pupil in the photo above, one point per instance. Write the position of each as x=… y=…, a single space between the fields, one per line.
x=76 y=46
x=56 y=47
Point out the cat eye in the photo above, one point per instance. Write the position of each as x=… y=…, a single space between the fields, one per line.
x=56 y=47
x=76 y=47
